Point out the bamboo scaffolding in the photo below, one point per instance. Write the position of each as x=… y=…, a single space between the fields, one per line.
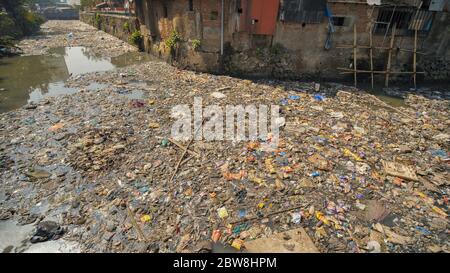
x=388 y=68
x=415 y=47
x=391 y=49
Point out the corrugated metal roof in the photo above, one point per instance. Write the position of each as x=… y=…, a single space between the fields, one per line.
x=303 y=11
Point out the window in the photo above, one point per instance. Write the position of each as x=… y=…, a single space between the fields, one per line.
x=341 y=21
x=191 y=5
x=338 y=21
x=405 y=20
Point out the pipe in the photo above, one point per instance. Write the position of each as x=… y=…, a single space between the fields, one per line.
x=221 y=28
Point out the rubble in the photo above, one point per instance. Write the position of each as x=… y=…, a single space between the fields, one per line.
x=115 y=181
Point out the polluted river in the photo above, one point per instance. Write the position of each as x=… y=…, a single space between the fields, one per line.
x=32 y=78
x=88 y=162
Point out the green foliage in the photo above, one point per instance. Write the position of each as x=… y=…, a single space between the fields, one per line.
x=196 y=44
x=126 y=26
x=18 y=21
x=260 y=52
x=98 y=20
x=136 y=38
x=31 y=22
x=173 y=40
x=7 y=41
x=8 y=26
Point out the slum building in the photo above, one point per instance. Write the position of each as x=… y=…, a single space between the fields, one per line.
x=301 y=38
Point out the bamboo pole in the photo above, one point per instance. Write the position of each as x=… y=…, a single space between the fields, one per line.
x=415 y=59
x=381 y=72
x=349 y=70
x=377 y=47
x=388 y=68
x=371 y=53
x=354 y=54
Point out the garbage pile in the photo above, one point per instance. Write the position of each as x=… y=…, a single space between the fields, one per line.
x=57 y=33
x=351 y=172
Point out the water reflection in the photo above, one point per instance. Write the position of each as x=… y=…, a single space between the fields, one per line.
x=31 y=78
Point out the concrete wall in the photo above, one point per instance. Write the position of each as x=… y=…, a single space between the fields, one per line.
x=117 y=25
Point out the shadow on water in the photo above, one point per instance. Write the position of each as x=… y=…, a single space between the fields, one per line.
x=393 y=96
x=31 y=78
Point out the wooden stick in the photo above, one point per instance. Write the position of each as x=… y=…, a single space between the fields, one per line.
x=349 y=70
x=376 y=47
x=181 y=159
x=186 y=160
x=415 y=59
x=182 y=147
x=371 y=54
x=388 y=106
x=135 y=224
x=185 y=152
x=388 y=68
x=354 y=54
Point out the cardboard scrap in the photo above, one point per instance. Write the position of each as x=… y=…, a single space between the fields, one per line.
x=399 y=170
x=392 y=236
x=320 y=162
x=292 y=241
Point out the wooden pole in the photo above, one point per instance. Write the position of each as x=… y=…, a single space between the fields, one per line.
x=371 y=53
x=388 y=68
x=377 y=47
x=354 y=54
x=351 y=71
x=415 y=59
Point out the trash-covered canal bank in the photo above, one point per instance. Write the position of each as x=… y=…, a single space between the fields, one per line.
x=99 y=168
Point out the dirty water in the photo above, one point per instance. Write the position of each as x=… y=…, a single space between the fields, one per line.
x=27 y=79
x=15 y=238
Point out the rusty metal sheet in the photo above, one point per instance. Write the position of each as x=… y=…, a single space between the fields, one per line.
x=303 y=11
x=264 y=15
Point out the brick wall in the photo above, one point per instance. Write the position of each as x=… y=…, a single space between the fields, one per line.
x=300 y=48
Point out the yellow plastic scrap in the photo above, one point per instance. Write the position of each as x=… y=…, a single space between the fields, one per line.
x=439 y=211
x=269 y=166
x=252 y=177
x=347 y=152
x=323 y=218
x=237 y=244
x=425 y=198
x=223 y=213
x=261 y=205
x=146 y=218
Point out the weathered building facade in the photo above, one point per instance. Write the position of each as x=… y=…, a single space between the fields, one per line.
x=298 y=38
